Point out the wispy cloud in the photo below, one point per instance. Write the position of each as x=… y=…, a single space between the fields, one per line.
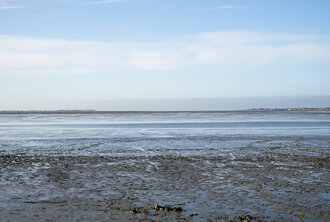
x=7 y=4
x=23 y=55
x=10 y=7
x=103 y=2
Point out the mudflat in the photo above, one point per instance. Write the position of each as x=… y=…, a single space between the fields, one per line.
x=270 y=186
x=185 y=166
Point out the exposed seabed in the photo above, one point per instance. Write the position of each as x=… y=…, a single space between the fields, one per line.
x=270 y=186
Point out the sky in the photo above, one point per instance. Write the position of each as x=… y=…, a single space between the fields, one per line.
x=142 y=54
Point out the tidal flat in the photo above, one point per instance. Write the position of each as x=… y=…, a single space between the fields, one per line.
x=268 y=187
x=186 y=166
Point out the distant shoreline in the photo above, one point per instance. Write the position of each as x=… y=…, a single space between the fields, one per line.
x=319 y=110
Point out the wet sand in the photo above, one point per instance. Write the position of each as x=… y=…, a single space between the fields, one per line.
x=270 y=186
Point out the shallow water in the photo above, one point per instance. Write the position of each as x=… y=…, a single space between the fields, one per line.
x=148 y=134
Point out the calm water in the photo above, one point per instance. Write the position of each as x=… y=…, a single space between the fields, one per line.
x=149 y=134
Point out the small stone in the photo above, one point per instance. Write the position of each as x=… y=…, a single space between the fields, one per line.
x=191 y=215
x=167 y=208
x=179 y=209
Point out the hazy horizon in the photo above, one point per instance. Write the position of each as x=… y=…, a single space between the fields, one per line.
x=189 y=104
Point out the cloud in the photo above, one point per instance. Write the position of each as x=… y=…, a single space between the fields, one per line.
x=10 y=6
x=7 y=4
x=34 y=56
x=103 y=2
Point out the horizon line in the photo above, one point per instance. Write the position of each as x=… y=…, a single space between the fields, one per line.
x=92 y=111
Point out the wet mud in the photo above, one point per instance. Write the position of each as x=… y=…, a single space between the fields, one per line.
x=270 y=186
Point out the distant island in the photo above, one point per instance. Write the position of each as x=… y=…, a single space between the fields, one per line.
x=321 y=109
x=91 y=111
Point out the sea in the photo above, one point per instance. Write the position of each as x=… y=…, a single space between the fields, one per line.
x=125 y=134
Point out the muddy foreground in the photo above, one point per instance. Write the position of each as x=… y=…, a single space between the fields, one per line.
x=271 y=186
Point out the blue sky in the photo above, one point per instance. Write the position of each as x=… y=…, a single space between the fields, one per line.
x=79 y=53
